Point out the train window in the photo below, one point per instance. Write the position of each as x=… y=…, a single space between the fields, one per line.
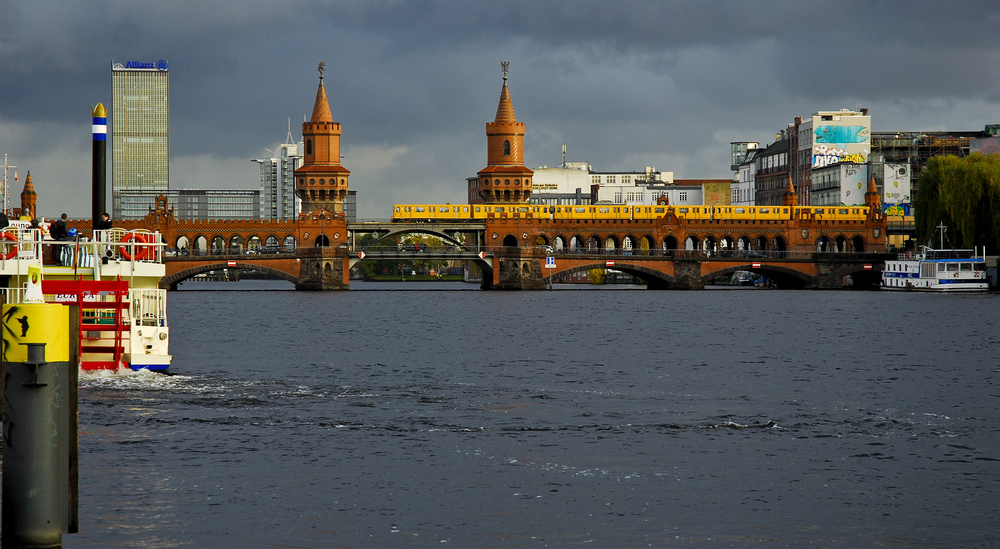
x=522 y=210
x=659 y=210
x=739 y=210
x=580 y=210
x=843 y=211
x=397 y=209
x=785 y=210
x=682 y=210
x=478 y=209
x=406 y=209
x=418 y=209
x=763 y=210
x=819 y=210
x=606 y=210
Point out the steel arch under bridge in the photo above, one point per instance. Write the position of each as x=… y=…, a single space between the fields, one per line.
x=447 y=231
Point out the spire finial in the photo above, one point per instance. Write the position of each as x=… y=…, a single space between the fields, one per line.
x=504 y=65
x=322 y=67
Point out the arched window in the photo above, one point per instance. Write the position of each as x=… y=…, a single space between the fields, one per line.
x=309 y=146
x=506 y=147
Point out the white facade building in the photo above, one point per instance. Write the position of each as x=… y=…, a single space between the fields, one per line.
x=277 y=183
x=648 y=195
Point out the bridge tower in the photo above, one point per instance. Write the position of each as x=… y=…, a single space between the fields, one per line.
x=321 y=182
x=505 y=179
x=29 y=198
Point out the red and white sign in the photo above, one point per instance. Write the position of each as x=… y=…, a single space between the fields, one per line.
x=482 y=255
x=232 y=263
x=609 y=263
x=756 y=265
x=361 y=255
x=868 y=267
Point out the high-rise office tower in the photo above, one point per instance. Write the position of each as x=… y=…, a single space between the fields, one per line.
x=140 y=133
x=277 y=182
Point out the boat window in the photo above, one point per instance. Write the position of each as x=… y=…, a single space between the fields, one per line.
x=952 y=267
x=981 y=266
x=965 y=266
x=940 y=267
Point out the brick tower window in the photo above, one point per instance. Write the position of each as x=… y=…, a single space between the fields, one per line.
x=506 y=147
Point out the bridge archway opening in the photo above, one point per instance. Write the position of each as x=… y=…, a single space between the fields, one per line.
x=652 y=279
x=558 y=243
x=322 y=241
x=778 y=244
x=172 y=281
x=594 y=243
x=646 y=244
x=692 y=243
x=510 y=241
x=823 y=244
x=858 y=243
x=182 y=243
x=727 y=243
x=780 y=277
x=271 y=241
x=760 y=243
x=253 y=243
x=669 y=243
x=218 y=245
x=289 y=243
x=841 y=244
x=711 y=245
x=200 y=244
x=629 y=243
x=541 y=240
x=743 y=244
x=236 y=244
x=611 y=243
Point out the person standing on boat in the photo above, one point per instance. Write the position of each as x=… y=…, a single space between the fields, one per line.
x=58 y=230
x=105 y=222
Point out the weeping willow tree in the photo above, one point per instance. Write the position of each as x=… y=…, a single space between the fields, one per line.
x=964 y=194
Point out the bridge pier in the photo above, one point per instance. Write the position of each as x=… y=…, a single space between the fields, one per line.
x=515 y=270
x=323 y=268
x=687 y=275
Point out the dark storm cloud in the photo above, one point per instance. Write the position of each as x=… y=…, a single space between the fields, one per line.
x=624 y=84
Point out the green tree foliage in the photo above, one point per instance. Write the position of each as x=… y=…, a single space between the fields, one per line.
x=964 y=194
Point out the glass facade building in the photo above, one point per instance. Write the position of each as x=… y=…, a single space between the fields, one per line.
x=140 y=132
x=192 y=203
x=277 y=183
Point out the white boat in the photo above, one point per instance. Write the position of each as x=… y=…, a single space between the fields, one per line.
x=114 y=278
x=936 y=271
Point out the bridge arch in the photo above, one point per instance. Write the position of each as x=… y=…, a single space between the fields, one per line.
x=171 y=281
x=510 y=241
x=450 y=238
x=611 y=242
x=669 y=243
x=271 y=241
x=785 y=277
x=652 y=278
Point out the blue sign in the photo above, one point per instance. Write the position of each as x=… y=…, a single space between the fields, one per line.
x=160 y=65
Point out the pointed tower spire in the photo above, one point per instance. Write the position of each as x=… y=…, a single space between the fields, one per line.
x=321 y=182
x=29 y=198
x=505 y=178
x=789 y=198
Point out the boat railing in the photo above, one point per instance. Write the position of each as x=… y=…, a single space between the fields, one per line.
x=12 y=295
x=149 y=307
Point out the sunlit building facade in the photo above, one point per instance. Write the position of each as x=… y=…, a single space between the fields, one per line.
x=140 y=130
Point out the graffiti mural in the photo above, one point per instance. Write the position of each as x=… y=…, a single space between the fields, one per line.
x=825 y=155
x=898 y=209
x=841 y=134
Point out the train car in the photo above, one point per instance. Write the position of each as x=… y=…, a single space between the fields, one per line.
x=649 y=212
x=429 y=212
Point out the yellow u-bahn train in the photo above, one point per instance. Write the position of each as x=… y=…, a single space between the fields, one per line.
x=475 y=212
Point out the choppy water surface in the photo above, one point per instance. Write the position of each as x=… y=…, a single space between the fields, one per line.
x=552 y=419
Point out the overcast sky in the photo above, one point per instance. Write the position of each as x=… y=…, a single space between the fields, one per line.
x=624 y=85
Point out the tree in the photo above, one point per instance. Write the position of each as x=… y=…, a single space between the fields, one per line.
x=963 y=194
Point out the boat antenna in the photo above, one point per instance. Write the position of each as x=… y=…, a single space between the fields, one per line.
x=943 y=228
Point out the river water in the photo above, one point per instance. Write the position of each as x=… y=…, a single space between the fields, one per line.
x=441 y=417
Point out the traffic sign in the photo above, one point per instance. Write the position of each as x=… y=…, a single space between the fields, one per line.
x=756 y=265
x=609 y=263
x=868 y=267
x=361 y=255
x=482 y=255
x=550 y=263
x=232 y=263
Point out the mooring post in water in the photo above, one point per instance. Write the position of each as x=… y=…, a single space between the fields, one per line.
x=35 y=376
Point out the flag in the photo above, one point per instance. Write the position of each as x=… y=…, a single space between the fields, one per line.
x=15 y=176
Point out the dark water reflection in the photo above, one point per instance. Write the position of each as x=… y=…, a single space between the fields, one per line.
x=598 y=419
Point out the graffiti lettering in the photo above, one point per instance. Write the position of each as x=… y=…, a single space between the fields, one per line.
x=897 y=209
